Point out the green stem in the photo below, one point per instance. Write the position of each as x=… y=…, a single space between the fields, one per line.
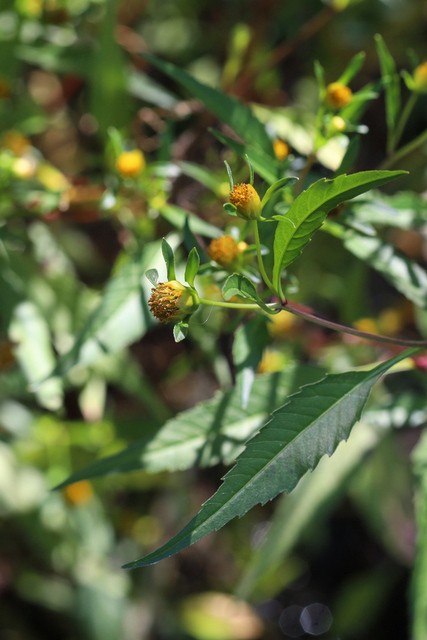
x=233 y=305
x=404 y=151
x=403 y=120
x=260 y=260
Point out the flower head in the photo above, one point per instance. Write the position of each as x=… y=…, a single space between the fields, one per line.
x=172 y=301
x=420 y=77
x=247 y=201
x=130 y=163
x=224 y=250
x=338 y=95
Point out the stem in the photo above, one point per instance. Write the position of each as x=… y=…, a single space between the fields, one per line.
x=260 y=260
x=288 y=306
x=404 y=151
x=233 y=305
x=403 y=120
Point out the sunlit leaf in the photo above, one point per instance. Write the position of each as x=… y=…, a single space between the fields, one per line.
x=250 y=341
x=311 y=424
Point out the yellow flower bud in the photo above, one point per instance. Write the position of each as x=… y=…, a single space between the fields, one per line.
x=224 y=250
x=420 y=77
x=247 y=201
x=78 y=492
x=172 y=301
x=338 y=125
x=281 y=149
x=130 y=163
x=338 y=95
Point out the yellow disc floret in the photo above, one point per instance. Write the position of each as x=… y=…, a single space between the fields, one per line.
x=172 y=301
x=130 y=163
x=247 y=201
x=338 y=95
x=420 y=77
x=224 y=250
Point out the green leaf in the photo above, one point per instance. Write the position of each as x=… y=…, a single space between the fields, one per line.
x=34 y=353
x=177 y=216
x=408 y=79
x=212 y=432
x=404 y=209
x=180 y=331
x=403 y=273
x=238 y=285
x=307 y=506
x=319 y=72
x=352 y=68
x=153 y=276
x=230 y=175
x=122 y=315
x=109 y=97
x=391 y=82
x=310 y=209
x=266 y=166
x=360 y=102
x=350 y=156
x=419 y=585
x=231 y=209
x=193 y=263
x=279 y=184
x=169 y=258
x=250 y=341
x=227 y=109
x=299 y=434
x=202 y=175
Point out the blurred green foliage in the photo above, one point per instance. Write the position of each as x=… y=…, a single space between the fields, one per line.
x=81 y=219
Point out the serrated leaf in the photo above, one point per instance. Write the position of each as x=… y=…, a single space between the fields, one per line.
x=169 y=258
x=307 y=506
x=153 y=276
x=279 y=184
x=212 y=432
x=238 y=285
x=192 y=267
x=309 y=210
x=403 y=273
x=352 y=68
x=250 y=341
x=229 y=110
x=391 y=82
x=299 y=434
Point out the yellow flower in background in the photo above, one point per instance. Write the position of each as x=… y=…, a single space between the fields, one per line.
x=247 y=201
x=224 y=250
x=338 y=95
x=130 y=163
x=172 y=301
x=281 y=149
x=281 y=323
x=78 y=492
x=420 y=77
x=15 y=142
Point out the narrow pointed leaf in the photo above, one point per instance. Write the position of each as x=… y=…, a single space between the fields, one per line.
x=264 y=165
x=310 y=209
x=192 y=267
x=352 y=68
x=169 y=257
x=227 y=109
x=213 y=431
x=279 y=184
x=299 y=434
x=391 y=82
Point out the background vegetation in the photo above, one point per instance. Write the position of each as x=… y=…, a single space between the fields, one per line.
x=81 y=221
